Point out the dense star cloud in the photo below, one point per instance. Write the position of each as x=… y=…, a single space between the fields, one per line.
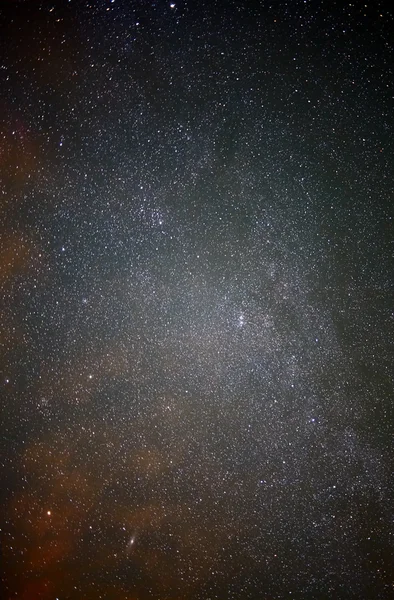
x=196 y=279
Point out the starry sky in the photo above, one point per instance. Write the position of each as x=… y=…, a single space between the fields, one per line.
x=196 y=299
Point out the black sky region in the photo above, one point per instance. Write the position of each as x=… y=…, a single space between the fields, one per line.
x=196 y=300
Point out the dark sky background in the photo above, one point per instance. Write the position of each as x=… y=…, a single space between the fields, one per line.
x=196 y=300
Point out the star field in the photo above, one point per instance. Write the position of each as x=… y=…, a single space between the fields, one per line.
x=196 y=300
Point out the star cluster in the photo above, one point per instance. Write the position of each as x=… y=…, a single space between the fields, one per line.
x=196 y=284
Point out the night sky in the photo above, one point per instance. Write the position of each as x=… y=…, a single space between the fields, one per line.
x=196 y=300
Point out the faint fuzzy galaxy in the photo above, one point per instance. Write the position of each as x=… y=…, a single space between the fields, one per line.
x=196 y=300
